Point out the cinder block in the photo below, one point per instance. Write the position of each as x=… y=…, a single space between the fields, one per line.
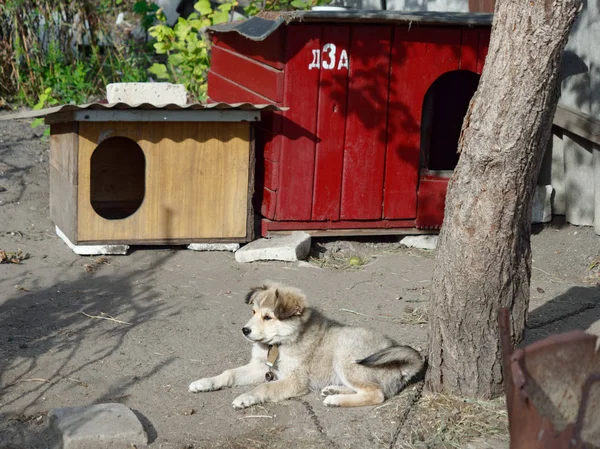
x=157 y=94
x=290 y=248
x=233 y=247
x=99 y=426
x=93 y=250
x=542 y=205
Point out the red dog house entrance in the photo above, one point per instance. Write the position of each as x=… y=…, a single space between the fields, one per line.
x=376 y=102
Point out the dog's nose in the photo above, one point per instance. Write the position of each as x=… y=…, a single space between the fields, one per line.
x=246 y=330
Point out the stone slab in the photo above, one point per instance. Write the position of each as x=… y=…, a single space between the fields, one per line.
x=98 y=426
x=93 y=250
x=233 y=247
x=290 y=248
x=157 y=94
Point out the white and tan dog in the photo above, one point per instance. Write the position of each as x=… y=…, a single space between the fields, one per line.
x=302 y=351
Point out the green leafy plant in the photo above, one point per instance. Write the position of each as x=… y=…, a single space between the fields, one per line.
x=185 y=48
x=45 y=100
x=256 y=6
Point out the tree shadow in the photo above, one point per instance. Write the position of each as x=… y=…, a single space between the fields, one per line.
x=76 y=322
x=577 y=308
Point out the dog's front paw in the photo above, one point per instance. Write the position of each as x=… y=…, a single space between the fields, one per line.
x=245 y=400
x=202 y=385
x=332 y=401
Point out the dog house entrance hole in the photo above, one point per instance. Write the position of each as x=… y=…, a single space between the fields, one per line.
x=117 y=178
x=444 y=108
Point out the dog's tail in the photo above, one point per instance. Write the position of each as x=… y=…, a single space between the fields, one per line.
x=409 y=358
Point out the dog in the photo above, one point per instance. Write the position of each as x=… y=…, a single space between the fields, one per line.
x=296 y=349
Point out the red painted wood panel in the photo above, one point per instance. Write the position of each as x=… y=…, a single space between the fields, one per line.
x=222 y=89
x=297 y=157
x=260 y=78
x=469 y=49
x=432 y=200
x=331 y=123
x=484 y=42
x=420 y=56
x=269 y=203
x=271 y=122
x=269 y=51
x=271 y=177
x=364 y=155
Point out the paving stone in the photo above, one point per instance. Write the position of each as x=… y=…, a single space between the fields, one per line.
x=99 y=426
x=290 y=248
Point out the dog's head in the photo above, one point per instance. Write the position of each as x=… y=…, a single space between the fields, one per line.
x=276 y=314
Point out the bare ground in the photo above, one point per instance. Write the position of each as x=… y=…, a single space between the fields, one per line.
x=179 y=317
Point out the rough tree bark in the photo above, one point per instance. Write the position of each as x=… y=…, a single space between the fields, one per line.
x=484 y=256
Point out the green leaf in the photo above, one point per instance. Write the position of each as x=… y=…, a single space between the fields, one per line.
x=203 y=7
x=298 y=4
x=160 y=70
x=37 y=122
x=140 y=7
x=220 y=17
x=160 y=48
x=176 y=59
x=225 y=7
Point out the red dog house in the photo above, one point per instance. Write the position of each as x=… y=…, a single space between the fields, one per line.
x=376 y=101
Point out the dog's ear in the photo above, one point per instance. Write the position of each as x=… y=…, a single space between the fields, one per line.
x=288 y=303
x=251 y=295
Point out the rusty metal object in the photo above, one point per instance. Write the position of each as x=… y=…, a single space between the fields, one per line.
x=552 y=390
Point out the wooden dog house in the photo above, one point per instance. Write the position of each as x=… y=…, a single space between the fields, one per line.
x=376 y=101
x=122 y=174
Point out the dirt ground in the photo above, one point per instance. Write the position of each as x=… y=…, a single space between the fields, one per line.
x=180 y=313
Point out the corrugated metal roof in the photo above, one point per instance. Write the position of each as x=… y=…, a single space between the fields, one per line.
x=141 y=107
x=260 y=27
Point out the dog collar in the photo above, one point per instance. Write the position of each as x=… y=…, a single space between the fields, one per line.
x=272 y=356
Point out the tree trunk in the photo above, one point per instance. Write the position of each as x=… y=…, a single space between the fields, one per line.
x=484 y=255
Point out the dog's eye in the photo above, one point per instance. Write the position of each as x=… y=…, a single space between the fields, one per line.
x=266 y=318
x=253 y=311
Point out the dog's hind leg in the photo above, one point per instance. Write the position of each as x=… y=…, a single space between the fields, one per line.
x=364 y=395
x=336 y=389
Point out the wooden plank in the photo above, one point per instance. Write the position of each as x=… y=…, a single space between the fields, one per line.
x=132 y=115
x=223 y=90
x=297 y=157
x=197 y=182
x=469 y=48
x=364 y=155
x=343 y=224
x=421 y=56
x=63 y=178
x=357 y=232
x=331 y=127
x=260 y=78
x=484 y=42
x=269 y=51
x=578 y=123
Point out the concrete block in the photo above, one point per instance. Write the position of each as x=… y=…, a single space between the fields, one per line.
x=157 y=94
x=420 y=241
x=542 y=204
x=93 y=250
x=233 y=247
x=99 y=426
x=290 y=248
